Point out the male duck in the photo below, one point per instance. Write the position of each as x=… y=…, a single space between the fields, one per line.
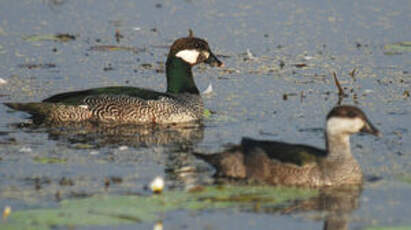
x=286 y=164
x=180 y=103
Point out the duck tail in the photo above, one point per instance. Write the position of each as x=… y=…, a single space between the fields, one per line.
x=32 y=107
x=216 y=158
x=229 y=163
x=212 y=158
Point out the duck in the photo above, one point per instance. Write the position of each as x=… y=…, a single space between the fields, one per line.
x=131 y=105
x=287 y=164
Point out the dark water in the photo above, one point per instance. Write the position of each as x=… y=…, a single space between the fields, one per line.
x=253 y=39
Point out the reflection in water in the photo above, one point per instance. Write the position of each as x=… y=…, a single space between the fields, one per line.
x=98 y=135
x=183 y=169
x=337 y=203
x=333 y=205
x=55 y=2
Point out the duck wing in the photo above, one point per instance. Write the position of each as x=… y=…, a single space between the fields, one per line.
x=77 y=97
x=296 y=154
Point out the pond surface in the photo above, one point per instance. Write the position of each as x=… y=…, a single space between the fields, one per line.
x=276 y=84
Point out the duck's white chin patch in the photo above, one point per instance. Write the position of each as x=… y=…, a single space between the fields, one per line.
x=337 y=125
x=189 y=56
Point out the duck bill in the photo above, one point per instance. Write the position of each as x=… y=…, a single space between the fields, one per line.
x=213 y=61
x=370 y=128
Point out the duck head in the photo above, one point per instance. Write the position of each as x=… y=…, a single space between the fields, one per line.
x=347 y=120
x=193 y=51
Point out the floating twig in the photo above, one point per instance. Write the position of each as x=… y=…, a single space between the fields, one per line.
x=118 y=36
x=352 y=73
x=341 y=93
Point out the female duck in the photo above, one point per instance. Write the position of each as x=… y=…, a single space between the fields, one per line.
x=286 y=164
x=180 y=103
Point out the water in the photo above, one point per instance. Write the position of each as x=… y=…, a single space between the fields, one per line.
x=252 y=39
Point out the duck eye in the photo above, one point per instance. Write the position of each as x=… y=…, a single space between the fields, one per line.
x=351 y=114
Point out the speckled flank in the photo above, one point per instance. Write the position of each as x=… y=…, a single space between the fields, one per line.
x=64 y=113
x=121 y=105
x=124 y=109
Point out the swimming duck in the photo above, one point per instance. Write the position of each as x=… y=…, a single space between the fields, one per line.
x=280 y=163
x=180 y=103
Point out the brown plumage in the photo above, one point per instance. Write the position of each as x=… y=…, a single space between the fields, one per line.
x=280 y=163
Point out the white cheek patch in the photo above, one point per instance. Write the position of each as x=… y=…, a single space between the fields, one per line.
x=338 y=125
x=189 y=56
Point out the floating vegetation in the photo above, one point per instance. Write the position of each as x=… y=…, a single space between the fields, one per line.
x=404 y=178
x=397 y=48
x=37 y=66
x=300 y=65
x=110 y=48
x=406 y=93
x=389 y=228
x=49 y=160
x=207 y=113
x=112 y=210
x=2 y=51
x=50 y=37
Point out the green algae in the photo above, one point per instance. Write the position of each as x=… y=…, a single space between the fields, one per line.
x=49 y=160
x=397 y=48
x=389 y=228
x=112 y=210
x=405 y=178
x=50 y=37
x=207 y=113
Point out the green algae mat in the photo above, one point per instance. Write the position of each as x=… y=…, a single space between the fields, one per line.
x=107 y=210
x=390 y=228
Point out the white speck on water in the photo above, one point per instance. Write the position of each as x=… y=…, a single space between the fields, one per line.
x=26 y=150
x=122 y=148
x=94 y=152
x=250 y=55
x=186 y=169
x=307 y=58
x=209 y=89
x=2 y=81
x=158 y=226
x=136 y=28
x=157 y=184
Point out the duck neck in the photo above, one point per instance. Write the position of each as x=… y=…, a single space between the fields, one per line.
x=179 y=77
x=338 y=146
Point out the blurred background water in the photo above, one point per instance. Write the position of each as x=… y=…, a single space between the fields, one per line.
x=276 y=84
